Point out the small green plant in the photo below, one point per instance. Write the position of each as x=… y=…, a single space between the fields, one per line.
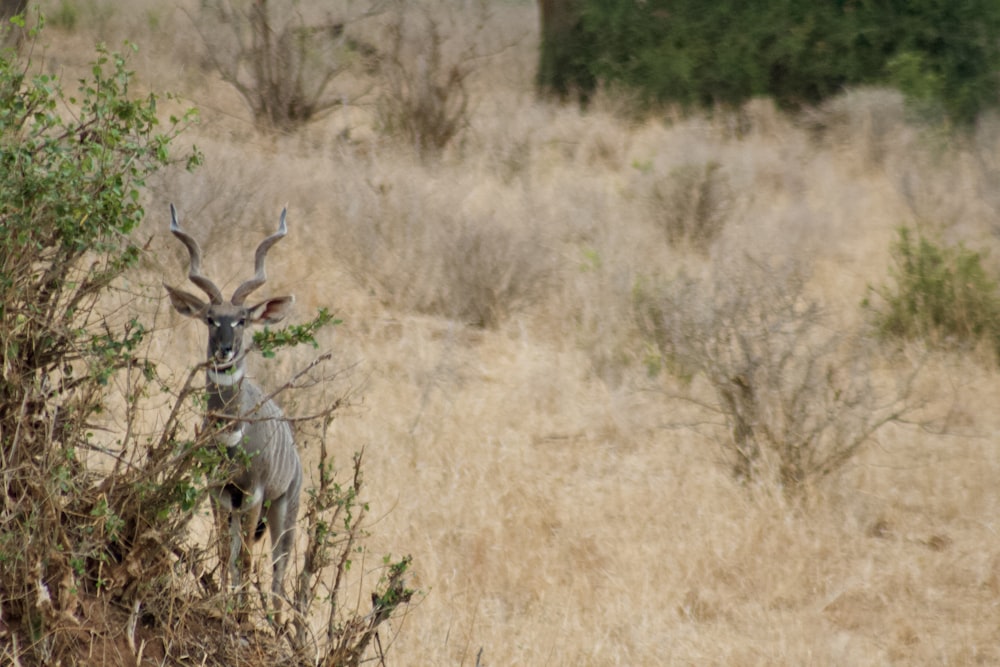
x=334 y=525
x=268 y=340
x=936 y=293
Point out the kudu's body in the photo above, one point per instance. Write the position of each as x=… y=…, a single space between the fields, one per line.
x=265 y=474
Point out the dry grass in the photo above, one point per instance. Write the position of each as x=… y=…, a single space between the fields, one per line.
x=555 y=513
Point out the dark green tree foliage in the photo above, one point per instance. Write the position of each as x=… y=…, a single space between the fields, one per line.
x=943 y=53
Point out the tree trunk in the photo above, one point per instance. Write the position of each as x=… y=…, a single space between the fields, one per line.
x=11 y=36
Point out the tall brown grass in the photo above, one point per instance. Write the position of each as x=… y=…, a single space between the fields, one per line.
x=556 y=506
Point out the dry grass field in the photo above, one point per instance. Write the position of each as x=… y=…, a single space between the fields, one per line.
x=564 y=505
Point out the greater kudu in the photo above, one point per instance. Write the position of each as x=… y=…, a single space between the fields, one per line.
x=266 y=473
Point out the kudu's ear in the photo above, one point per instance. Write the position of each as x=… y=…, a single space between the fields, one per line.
x=186 y=303
x=271 y=311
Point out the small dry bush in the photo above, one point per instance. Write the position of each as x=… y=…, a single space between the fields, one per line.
x=693 y=204
x=417 y=249
x=871 y=121
x=284 y=56
x=433 y=48
x=489 y=271
x=797 y=398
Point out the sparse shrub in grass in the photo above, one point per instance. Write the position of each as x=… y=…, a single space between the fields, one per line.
x=426 y=96
x=432 y=50
x=416 y=254
x=936 y=293
x=490 y=271
x=77 y=14
x=66 y=15
x=872 y=120
x=693 y=203
x=333 y=522
x=426 y=100
x=795 y=398
x=281 y=58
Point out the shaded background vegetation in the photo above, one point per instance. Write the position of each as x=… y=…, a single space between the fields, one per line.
x=944 y=55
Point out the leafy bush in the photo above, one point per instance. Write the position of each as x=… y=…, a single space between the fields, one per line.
x=939 y=294
x=69 y=196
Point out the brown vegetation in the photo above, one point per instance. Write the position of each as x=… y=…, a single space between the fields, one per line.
x=561 y=505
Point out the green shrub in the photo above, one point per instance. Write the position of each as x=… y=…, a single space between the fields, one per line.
x=940 y=294
x=69 y=196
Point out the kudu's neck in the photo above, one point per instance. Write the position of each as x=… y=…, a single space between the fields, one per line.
x=224 y=384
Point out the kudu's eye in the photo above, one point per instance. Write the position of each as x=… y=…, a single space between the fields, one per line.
x=241 y=322
x=211 y=322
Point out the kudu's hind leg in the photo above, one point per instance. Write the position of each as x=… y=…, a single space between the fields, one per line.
x=281 y=518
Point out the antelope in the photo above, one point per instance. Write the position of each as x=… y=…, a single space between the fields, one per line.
x=266 y=474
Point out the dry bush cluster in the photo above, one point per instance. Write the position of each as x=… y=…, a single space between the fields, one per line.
x=426 y=100
x=285 y=59
x=292 y=62
x=797 y=397
x=417 y=248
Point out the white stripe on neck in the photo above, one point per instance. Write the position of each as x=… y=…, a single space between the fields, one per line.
x=227 y=378
x=231 y=438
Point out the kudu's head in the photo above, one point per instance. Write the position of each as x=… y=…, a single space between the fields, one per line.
x=227 y=321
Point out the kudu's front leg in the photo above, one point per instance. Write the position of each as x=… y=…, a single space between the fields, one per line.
x=221 y=516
